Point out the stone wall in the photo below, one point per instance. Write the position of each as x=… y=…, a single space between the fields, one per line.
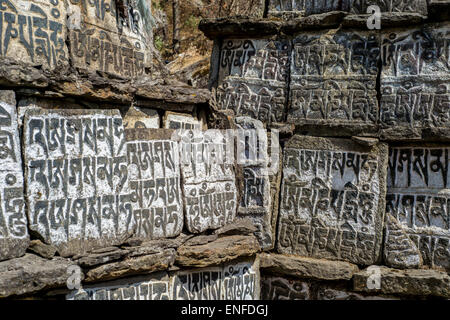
x=316 y=168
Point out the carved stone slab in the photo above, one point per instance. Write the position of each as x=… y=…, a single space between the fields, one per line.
x=415 y=83
x=155 y=183
x=110 y=38
x=322 y=6
x=14 y=237
x=34 y=32
x=235 y=281
x=418 y=6
x=260 y=183
x=333 y=82
x=77 y=178
x=419 y=199
x=291 y=7
x=209 y=182
x=333 y=199
x=173 y=120
x=141 y=118
x=277 y=288
x=155 y=287
x=253 y=78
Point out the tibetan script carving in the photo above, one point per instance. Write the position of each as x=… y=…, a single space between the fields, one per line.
x=419 y=199
x=13 y=222
x=209 y=180
x=173 y=120
x=154 y=178
x=77 y=178
x=34 y=32
x=415 y=83
x=418 y=6
x=333 y=82
x=332 y=200
x=253 y=78
x=276 y=288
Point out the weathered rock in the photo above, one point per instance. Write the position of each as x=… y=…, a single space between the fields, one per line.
x=418 y=195
x=69 y=160
x=133 y=266
x=217 y=252
x=333 y=199
x=315 y=22
x=155 y=183
x=153 y=287
x=321 y=6
x=414 y=86
x=325 y=293
x=287 y=9
x=30 y=274
x=399 y=250
x=388 y=20
x=141 y=118
x=368 y=142
x=278 y=288
x=44 y=250
x=242 y=227
x=403 y=282
x=32 y=39
x=209 y=182
x=201 y=240
x=14 y=236
x=253 y=78
x=95 y=259
x=302 y=267
x=173 y=120
x=419 y=6
x=333 y=83
x=237 y=27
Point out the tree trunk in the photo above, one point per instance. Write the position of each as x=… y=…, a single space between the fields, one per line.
x=176 y=26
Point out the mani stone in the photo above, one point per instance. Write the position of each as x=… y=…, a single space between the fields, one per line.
x=209 y=183
x=77 y=189
x=14 y=236
x=391 y=6
x=333 y=83
x=333 y=199
x=233 y=281
x=277 y=288
x=141 y=118
x=418 y=198
x=154 y=287
x=287 y=9
x=415 y=83
x=155 y=183
x=253 y=77
x=173 y=120
x=261 y=178
x=322 y=6
x=111 y=38
x=34 y=32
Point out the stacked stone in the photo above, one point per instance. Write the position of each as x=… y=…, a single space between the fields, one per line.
x=108 y=191
x=364 y=115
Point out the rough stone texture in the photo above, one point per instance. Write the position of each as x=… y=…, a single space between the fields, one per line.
x=34 y=32
x=302 y=267
x=333 y=199
x=403 y=282
x=77 y=181
x=388 y=20
x=321 y=6
x=261 y=178
x=414 y=83
x=155 y=183
x=110 y=38
x=325 y=293
x=14 y=236
x=278 y=288
x=209 y=184
x=253 y=77
x=99 y=258
x=217 y=252
x=141 y=118
x=230 y=27
x=154 y=287
x=44 y=250
x=242 y=226
x=333 y=83
x=419 y=6
x=133 y=266
x=399 y=250
x=173 y=120
x=287 y=9
x=233 y=281
x=30 y=274
x=418 y=196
